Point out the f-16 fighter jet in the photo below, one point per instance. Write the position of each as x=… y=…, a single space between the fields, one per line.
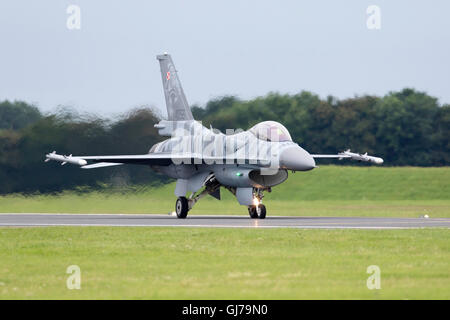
x=202 y=160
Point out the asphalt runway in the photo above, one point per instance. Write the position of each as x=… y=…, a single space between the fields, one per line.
x=165 y=220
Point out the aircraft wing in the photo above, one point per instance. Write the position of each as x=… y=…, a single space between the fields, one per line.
x=330 y=156
x=145 y=159
x=156 y=159
x=350 y=155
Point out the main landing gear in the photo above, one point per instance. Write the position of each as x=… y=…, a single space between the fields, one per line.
x=183 y=204
x=182 y=207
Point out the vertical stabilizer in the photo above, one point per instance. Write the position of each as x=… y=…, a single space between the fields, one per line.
x=176 y=103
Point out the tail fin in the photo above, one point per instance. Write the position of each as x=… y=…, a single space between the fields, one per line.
x=176 y=103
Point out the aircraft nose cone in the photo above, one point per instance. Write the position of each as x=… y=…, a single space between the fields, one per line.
x=297 y=159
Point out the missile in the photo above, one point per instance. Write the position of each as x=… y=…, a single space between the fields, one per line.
x=65 y=159
x=361 y=157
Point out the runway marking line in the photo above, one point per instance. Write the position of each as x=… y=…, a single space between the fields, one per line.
x=205 y=226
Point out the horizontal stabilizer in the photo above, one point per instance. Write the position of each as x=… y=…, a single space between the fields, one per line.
x=101 y=165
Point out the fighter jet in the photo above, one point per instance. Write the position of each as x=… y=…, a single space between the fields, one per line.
x=204 y=160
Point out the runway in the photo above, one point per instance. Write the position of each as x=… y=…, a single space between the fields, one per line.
x=230 y=221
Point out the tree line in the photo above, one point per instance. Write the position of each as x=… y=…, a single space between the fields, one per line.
x=22 y=150
x=405 y=128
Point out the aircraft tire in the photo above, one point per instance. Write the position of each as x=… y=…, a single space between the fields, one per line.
x=252 y=212
x=261 y=213
x=181 y=207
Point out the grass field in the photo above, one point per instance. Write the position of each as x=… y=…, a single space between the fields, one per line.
x=326 y=191
x=192 y=263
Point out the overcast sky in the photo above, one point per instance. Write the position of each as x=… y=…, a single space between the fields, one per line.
x=238 y=47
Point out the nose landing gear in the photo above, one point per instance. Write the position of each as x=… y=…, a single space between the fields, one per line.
x=257 y=210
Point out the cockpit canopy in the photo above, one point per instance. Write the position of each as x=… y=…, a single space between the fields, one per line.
x=271 y=131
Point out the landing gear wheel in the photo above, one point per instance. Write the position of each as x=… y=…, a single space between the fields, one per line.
x=182 y=207
x=257 y=212
x=252 y=212
x=261 y=211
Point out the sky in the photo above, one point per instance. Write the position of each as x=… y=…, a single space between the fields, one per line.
x=246 y=48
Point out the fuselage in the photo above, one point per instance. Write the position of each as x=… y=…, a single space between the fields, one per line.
x=240 y=159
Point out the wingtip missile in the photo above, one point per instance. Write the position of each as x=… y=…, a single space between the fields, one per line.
x=362 y=157
x=65 y=159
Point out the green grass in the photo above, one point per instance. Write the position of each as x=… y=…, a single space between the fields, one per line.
x=326 y=191
x=194 y=263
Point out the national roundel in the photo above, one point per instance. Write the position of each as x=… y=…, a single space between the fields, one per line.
x=168 y=75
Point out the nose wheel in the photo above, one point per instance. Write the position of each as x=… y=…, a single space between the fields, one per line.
x=257 y=212
x=182 y=207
